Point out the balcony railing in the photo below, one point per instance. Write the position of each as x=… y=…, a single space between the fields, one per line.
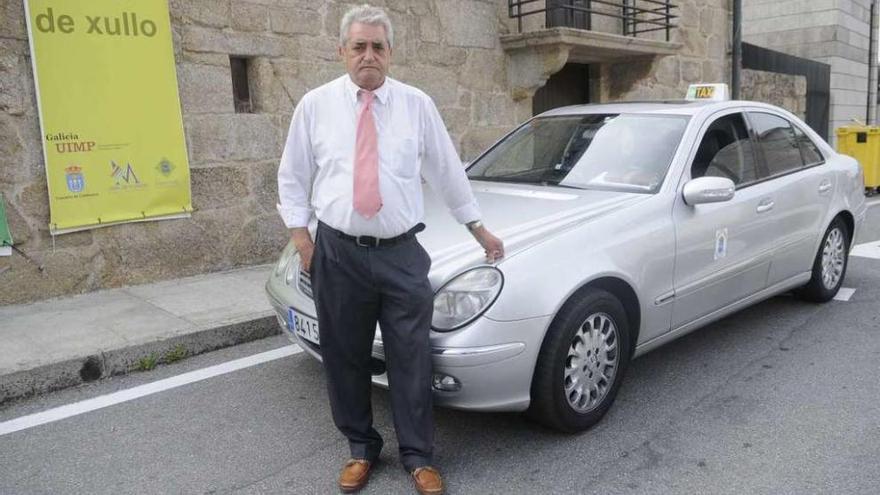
x=631 y=17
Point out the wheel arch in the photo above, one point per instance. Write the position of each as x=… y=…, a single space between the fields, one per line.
x=850 y=222
x=624 y=292
x=815 y=290
x=544 y=399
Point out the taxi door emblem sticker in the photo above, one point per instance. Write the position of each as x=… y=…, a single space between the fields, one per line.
x=720 y=243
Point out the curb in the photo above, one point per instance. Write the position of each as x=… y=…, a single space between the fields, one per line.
x=103 y=364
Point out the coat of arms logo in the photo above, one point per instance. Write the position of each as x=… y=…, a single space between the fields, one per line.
x=76 y=182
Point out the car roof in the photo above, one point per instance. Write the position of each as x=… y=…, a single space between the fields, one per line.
x=661 y=107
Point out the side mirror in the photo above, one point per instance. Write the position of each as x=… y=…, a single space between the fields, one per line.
x=708 y=190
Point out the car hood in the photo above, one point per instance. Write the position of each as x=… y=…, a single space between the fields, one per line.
x=520 y=215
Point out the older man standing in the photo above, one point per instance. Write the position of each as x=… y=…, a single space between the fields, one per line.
x=355 y=154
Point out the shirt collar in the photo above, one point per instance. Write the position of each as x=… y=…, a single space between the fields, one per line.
x=383 y=92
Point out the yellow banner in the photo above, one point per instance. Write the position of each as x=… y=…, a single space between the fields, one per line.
x=112 y=130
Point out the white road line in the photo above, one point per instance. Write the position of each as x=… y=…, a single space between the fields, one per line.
x=873 y=202
x=844 y=294
x=867 y=250
x=103 y=401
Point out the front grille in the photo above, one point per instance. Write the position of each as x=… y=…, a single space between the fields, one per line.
x=304 y=283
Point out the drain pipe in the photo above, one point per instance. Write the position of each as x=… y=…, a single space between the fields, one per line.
x=736 y=63
x=872 y=24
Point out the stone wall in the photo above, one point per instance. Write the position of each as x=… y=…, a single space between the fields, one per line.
x=783 y=90
x=704 y=28
x=449 y=48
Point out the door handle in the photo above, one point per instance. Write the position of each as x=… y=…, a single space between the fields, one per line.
x=765 y=206
x=824 y=187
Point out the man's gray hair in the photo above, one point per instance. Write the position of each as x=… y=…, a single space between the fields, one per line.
x=365 y=14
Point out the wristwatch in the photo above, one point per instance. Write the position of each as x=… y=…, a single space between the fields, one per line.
x=474 y=225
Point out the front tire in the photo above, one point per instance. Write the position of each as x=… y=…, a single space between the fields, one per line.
x=582 y=362
x=829 y=266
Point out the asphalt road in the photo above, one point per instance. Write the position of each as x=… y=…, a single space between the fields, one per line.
x=780 y=398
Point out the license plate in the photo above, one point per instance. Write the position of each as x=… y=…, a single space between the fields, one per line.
x=303 y=326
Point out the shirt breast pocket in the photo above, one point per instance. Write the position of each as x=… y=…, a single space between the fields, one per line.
x=403 y=156
x=329 y=146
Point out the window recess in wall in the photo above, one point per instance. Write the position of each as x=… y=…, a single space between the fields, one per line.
x=241 y=91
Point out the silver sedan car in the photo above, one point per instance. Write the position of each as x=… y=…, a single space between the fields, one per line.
x=626 y=226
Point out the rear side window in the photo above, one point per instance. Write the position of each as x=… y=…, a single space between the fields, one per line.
x=778 y=143
x=726 y=151
x=809 y=150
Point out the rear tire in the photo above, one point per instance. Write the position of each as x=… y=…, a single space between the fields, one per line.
x=582 y=362
x=829 y=266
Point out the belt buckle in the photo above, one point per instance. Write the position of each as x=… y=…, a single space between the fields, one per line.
x=375 y=243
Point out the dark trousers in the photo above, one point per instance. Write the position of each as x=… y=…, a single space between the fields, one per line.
x=354 y=288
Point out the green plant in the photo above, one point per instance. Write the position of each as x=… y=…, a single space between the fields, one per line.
x=147 y=363
x=176 y=354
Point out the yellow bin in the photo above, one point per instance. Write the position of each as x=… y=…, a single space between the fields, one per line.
x=862 y=142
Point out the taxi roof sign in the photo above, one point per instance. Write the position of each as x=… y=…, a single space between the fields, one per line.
x=712 y=92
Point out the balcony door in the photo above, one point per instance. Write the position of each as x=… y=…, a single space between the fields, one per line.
x=558 y=15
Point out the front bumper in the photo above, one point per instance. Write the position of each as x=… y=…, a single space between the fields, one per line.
x=491 y=361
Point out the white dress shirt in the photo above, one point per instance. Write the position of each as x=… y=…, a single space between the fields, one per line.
x=317 y=165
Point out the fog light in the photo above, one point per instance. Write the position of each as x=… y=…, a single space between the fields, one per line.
x=446 y=383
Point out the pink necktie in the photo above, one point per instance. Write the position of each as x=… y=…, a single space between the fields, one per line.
x=367 y=200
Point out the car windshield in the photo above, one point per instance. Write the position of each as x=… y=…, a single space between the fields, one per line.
x=618 y=152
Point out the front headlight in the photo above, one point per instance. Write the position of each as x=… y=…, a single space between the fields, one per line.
x=284 y=260
x=292 y=269
x=466 y=297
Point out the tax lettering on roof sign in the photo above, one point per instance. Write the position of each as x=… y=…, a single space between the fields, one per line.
x=714 y=92
x=705 y=92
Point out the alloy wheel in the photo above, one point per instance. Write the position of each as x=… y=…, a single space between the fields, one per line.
x=833 y=257
x=592 y=362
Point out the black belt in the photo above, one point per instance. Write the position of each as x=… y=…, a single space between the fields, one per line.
x=372 y=242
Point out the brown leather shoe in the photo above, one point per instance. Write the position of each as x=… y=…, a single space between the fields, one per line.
x=354 y=475
x=427 y=480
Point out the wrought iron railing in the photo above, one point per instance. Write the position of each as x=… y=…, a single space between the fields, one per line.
x=636 y=16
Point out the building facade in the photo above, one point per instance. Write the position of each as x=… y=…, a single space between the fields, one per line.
x=834 y=32
x=242 y=66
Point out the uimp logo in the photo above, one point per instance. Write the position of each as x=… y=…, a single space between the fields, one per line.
x=76 y=182
x=123 y=175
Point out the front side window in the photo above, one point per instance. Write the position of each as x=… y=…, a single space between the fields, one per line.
x=726 y=151
x=778 y=143
x=618 y=152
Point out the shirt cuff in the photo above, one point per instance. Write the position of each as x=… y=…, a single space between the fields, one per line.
x=294 y=217
x=467 y=213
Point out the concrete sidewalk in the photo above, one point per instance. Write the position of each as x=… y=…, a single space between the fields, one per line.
x=63 y=342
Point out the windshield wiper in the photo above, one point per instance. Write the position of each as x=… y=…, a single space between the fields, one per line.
x=498 y=178
x=507 y=180
x=557 y=184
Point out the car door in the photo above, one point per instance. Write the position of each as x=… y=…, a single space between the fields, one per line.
x=722 y=254
x=802 y=192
